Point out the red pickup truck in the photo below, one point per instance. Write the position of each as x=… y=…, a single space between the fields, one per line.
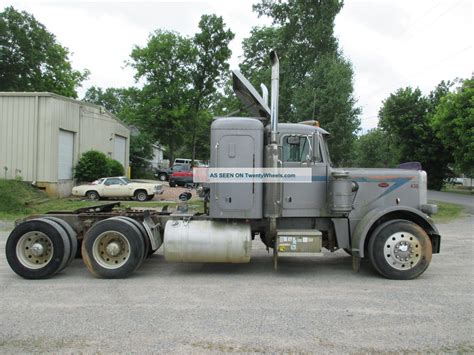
x=182 y=176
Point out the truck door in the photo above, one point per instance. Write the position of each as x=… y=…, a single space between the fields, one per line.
x=236 y=151
x=302 y=199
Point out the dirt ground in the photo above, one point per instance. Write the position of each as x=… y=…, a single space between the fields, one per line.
x=311 y=304
x=172 y=193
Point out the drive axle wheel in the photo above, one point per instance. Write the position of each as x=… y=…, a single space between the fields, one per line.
x=400 y=250
x=113 y=248
x=72 y=235
x=37 y=249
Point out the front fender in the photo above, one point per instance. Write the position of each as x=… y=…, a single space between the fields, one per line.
x=378 y=215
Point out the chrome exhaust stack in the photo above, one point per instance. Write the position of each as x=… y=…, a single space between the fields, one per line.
x=274 y=98
x=272 y=191
x=264 y=93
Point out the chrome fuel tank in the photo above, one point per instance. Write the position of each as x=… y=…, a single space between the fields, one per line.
x=207 y=241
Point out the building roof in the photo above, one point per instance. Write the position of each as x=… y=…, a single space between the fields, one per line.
x=64 y=98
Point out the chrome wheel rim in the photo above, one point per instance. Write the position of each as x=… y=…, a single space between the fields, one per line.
x=34 y=250
x=402 y=251
x=111 y=250
x=141 y=196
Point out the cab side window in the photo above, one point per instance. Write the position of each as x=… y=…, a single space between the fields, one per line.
x=295 y=148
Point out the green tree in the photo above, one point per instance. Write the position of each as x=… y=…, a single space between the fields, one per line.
x=165 y=65
x=454 y=125
x=91 y=166
x=212 y=48
x=141 y=151
x=373 y=151
x=316 y=80
x=327 y=96
x=31 y=59
x=405 y=117
x=181 y=77
x=125 y=104
x=122 y=102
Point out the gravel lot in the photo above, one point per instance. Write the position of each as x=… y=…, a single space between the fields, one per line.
x=312 y=304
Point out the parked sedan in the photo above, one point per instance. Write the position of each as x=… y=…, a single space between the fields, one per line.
x=118 y=187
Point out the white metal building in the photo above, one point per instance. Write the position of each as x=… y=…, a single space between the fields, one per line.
x=42 y=136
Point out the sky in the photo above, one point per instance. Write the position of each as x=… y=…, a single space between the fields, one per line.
x=391 y=43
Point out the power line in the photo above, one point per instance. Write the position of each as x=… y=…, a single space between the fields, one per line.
x=410 y=26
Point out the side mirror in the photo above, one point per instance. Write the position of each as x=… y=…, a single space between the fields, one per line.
x=316 y=152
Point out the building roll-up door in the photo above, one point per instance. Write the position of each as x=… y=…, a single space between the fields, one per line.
x=65 y=155
x=120 y=149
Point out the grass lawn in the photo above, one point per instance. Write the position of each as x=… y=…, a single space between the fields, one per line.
x=19 y=199
x=447 y=212
x=458 y=190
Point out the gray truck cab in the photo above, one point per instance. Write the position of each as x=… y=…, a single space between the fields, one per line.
x=354 y=209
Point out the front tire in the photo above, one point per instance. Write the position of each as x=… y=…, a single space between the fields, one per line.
x=140 y=195
x=162 y=177
x=400 y=250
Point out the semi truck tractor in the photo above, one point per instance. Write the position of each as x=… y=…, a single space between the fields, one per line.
x=379 y=214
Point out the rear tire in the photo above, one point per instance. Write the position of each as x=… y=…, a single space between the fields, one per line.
x=143 y=233
x=92 y=195
x=162 y=177
x=113 y=248
x=37 y=249
x=400 y=250
x=72 y=235
x=172 y=184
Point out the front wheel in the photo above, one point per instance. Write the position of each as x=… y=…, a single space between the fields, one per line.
x=141 y=195
x=400 y=250
x=162 y=177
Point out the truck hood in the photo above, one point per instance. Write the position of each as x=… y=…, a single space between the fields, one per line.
x=379 y=184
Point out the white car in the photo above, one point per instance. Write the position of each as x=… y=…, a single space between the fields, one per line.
x=118 y=187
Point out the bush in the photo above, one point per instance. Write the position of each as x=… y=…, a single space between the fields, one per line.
x=91 y=166
x=115 y=168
